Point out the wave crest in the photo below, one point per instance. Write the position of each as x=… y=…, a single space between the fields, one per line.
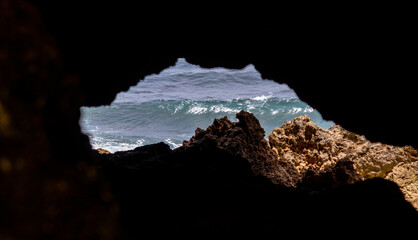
x=121 y=125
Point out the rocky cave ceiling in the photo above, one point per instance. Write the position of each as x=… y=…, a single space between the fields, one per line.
x=352 y=63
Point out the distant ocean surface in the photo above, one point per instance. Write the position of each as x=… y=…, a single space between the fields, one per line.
x=169 y=106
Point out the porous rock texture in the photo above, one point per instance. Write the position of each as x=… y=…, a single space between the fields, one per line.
x=246 y=139
x=228 y=178
x=406 y=176
x=301 y=154
x=56 y=56
x=311 y=148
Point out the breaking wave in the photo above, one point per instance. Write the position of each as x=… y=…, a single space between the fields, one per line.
x=168 y=107
x=123 y=126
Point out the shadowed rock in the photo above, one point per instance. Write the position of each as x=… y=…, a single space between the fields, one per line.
x=313 y=150
x=209 y=187
x=246 y=139
x=306 y=156
x=56 y=56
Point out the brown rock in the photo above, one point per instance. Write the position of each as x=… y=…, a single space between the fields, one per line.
x=102 y=151
x=311 y=148
x=406 y=176
x=342 y=173
x=305 y=145
x=371 y=159
x=246 y=139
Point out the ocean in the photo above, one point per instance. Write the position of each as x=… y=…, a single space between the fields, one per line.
x=169 y=106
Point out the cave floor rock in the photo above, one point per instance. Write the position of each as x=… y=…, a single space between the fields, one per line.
x=311 y=148
x=229 y=179
x=56 y=56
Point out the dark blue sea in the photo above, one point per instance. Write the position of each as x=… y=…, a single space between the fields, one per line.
x=169 y=106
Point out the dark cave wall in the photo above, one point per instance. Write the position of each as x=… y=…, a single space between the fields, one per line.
x=351 y=62
x=58 y=56
x=48 y=187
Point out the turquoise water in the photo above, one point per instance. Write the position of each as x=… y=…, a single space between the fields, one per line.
x=169 y=106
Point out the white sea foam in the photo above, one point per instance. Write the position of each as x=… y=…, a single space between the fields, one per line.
x=172 y=144
x=223 y=109
x=262 y=98
x=178 y=108
x=114 y=146
x=308 y=109
x=146 y=111
x=140 y=142
x=295 y=110
x=197 y=110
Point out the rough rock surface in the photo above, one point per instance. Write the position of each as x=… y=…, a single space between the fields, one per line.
x=298 y=166
x=304 y=144
x=221 y=180
x=406 y=176
x=201 y=188
x=311 y=148
x=52 y=63
x=246 y=139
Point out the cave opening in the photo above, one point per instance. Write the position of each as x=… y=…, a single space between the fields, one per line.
x=169 y=106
